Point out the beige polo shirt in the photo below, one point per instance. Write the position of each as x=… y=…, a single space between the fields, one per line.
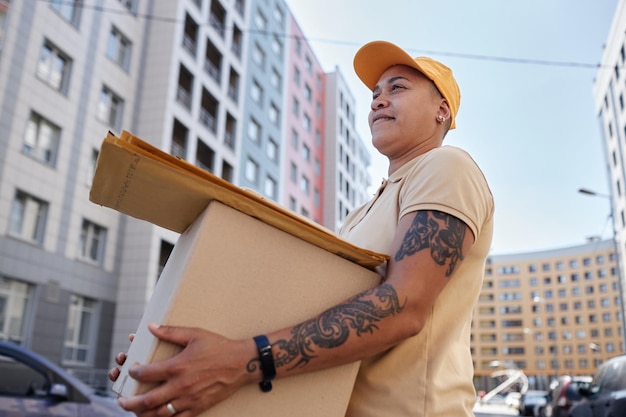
x=430 y=374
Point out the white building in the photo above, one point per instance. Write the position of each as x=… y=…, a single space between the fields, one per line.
x=610 y=96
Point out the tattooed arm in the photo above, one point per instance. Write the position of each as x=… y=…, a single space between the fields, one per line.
x=427 y=248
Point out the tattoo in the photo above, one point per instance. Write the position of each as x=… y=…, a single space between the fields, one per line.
x=441 y=232
x=359 y=315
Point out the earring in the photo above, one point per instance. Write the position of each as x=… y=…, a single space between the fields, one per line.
x=440 y=119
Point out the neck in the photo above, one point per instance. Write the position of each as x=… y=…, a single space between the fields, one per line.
x=398 y=162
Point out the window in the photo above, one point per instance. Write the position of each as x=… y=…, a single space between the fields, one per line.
x=293 y=173
x=306 y=122
x=296 y=107
x=252 y=171
x=260 y=21
x=258 y=56
x=91 y=168
x=92 y=241
x=276 y=80
x=53 y=67
x=15 y=297
x=306 y=153
x=279 y=15
x=256 y=92
x=295 y=141
x=305 y=184
x=296 y=75
x=273 y=114
x=271 y=150
x=308 y=94
x=80 y=322
x=28 y=217
x=41 y=139
x=254 y=131
x=118 y=48
x=68 y=9
x=129 y=4
x=110 y=108
x=270 y=187
x=277 y=46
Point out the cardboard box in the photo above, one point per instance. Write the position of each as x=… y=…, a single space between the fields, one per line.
x=238 y=276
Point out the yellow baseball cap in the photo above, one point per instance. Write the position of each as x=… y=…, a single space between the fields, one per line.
x=373 y=58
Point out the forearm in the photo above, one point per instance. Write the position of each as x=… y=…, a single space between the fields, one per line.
x=355 y=329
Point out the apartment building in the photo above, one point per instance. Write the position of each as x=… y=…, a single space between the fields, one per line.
x=191 y=77
x=346 y=156
x=548 y=313
x=303 y=166
x=263 y=99
x=609 y=91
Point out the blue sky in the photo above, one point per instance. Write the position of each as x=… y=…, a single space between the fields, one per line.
x=527 y=111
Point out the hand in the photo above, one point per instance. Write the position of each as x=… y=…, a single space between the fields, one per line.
x=209 y=369
x=114 y=373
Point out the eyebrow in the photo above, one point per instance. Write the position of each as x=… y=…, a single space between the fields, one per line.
x=389 y=81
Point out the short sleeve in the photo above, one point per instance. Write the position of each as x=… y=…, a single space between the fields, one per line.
x=447 y=179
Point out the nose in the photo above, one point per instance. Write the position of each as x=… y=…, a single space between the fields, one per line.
x=378 y=102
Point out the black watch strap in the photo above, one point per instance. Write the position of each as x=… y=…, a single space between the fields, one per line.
x=267 y=362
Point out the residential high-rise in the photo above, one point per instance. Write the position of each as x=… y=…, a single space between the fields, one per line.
x=609 y=91
x=548 y=313
x=346 y=156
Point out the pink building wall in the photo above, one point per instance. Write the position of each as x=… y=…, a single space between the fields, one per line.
x=300 y=105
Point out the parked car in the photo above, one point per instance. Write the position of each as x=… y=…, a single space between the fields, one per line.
x=564 y=394
x=32 y=385
x=606 y=394
x=532 y=403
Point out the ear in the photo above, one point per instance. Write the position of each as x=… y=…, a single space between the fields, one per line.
x=443 y=110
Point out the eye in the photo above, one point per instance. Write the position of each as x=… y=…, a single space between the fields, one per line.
x=395 y=87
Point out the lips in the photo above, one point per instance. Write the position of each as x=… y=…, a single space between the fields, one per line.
x=381 y=118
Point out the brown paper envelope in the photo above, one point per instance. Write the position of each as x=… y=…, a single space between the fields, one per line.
x=140 y=180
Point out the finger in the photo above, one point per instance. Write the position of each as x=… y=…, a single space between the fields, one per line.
x=113 y=374
x=131 y=337
x=120 y=358
x=174 y=334
x=152 y=403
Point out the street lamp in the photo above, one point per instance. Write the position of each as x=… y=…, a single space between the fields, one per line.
x=595 y=348
x=618 y=258
x=539 y=300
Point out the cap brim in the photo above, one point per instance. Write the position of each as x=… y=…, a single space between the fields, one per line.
x=373 y=58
